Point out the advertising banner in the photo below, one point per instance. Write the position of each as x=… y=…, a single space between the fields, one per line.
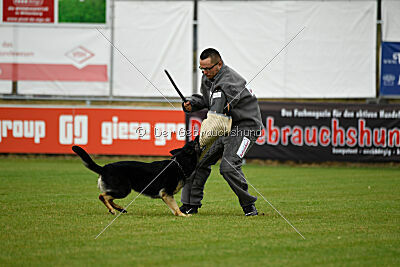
x=72 y=62
x=390 y=68
x=28 y=11
x=112 y=131
x=78 y=12
x=316 y=132
x=5 y=86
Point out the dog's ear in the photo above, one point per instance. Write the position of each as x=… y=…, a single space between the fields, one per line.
x=175 y=151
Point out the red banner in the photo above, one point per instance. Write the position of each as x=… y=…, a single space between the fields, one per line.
x=28 y=11
x=113 y=131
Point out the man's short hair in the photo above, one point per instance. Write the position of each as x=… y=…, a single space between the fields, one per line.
x=210 y=53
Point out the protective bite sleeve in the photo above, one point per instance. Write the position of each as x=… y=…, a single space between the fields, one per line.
x=214 y=126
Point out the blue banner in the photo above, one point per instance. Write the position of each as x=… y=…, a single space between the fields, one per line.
x=390 y=69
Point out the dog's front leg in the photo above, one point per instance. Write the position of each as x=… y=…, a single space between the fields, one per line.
x=106 y=201
x=117 y=207
x=172 y=205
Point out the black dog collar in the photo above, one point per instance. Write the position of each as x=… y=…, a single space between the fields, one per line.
x=180 y=167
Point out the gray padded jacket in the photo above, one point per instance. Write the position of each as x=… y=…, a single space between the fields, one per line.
x=244 y=107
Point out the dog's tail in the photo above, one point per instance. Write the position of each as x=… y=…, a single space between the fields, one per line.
x=87 y=160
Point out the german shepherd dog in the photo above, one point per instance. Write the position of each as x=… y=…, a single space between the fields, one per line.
x=158 y=179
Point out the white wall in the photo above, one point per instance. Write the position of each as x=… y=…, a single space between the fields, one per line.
x=154 y=36
x=391 y=20
x=333 y=57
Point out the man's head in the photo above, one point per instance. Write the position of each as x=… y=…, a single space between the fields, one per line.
x=210 y=62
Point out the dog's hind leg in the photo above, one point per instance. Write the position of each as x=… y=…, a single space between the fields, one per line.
x=171 y=203
x=117 y=207
x=106 y=199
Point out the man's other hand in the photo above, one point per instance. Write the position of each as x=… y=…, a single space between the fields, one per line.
x=187 y=106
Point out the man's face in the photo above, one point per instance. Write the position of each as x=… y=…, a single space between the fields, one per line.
x=209 y=68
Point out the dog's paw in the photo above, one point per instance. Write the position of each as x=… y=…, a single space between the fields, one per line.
x=122 y=210
x=184 y=215
x=112 y=212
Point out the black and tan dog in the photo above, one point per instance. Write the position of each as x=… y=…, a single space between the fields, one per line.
x=158 y=179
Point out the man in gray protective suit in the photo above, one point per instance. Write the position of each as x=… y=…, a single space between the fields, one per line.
x=232 y=126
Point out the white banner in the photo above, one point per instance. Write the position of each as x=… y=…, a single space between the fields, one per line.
x=5 y=86
x=333 y=57
x=153 y=36
x=391 y=20
x=56 y=61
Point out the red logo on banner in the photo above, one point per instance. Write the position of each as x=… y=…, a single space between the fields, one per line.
x=28 y=11
x=194 y=126
x=335 y=135
x=261 y=139
x=79 y=54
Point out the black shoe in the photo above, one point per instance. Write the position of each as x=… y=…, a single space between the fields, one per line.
x=189 y=209
x=250 y=210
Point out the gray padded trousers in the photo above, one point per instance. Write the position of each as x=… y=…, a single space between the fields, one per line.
x=232 y=149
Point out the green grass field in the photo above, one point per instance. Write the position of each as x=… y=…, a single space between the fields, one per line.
x=50 y=216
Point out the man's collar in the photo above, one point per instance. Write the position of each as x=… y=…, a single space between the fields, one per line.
x=219 y=72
